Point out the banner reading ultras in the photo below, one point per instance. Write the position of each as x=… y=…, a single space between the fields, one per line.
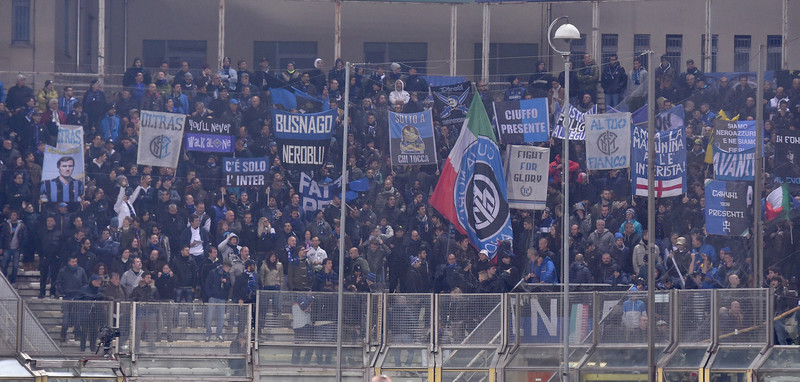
x=160 y=137
x=303 y=139
x=245 y=172
x=209 y=135
x=411 y=138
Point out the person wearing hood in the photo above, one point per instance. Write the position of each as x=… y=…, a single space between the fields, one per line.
x=92 y=317
x=515 y=91
x=229 y=246
x=539 y=82
x=291 y=75
x=541 y=269
x=399 y=95
x=129 y=78
x=640 y=253
x=630 y=217
x=317 y=76
x=582 y=218
x=557 y=169
x=622 y=253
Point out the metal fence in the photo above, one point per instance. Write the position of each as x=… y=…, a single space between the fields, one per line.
x=8 y=326
x=741 y=316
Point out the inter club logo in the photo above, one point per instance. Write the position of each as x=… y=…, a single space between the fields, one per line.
x=159 y=146
x=489 y=210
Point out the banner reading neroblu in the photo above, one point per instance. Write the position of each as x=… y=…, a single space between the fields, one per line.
x=303 y=139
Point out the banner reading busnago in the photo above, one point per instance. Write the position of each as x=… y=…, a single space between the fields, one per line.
x=411 y=138
x=304 y=139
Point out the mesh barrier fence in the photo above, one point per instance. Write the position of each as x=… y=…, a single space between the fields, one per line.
x=742 y=316
x=8 y=326
x=74 y=324
x=408 y=319
x=695 y=316
x=170 y=329
x=470 y=319
x=624 y=318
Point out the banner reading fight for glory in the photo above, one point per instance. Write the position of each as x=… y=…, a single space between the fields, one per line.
x=787 y=156
x=160 y=137
x=245 y=172
x=411 y=138
x=303 y=139
x=734 y=149
x=522 y=121
x=608 y=141
x=315 y=196
x=726 y=208
x=670 y=162
x=577 y=128
x=209 y=135
x=451 y=102
x=526 y=176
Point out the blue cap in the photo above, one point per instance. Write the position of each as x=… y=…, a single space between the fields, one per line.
x=727 y=250
x=62 y=204
x=617 y=236
x=371 y=277
x=235 y=101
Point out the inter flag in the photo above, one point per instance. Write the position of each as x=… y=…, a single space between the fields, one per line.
x=471 y=191
x=778 y=203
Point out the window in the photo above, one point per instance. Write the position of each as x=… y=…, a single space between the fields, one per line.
x=506 y=59
x=608 y=46
x=774 y=50
x=406 y=53
x=714 y=50
x=21 y=22
x=279 y=53
x=741 y=53
x=173 y=52
x=577 y=49
x=673 y=50
x=641 y=44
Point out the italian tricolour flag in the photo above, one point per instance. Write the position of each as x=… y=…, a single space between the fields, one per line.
x=778 y=203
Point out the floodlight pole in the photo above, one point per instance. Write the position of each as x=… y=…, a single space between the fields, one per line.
x=343 y=208
x=651 y=222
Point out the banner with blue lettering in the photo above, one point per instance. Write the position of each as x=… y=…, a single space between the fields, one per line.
x=451 y=102
x=608 y=141
x=70 y=136
x=670 y=166
x=315 y=196
x=245 y=172
x=787 y=156
x=726 y=208
x=544 y=322
x=160 y=136
x=577 y=128
x=522 y=121
x=303 y=139
x=734 y=149
x=526 y=176
x=411 y=138
x=209 y=135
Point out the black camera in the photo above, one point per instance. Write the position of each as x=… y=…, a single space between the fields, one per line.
x=105 y=335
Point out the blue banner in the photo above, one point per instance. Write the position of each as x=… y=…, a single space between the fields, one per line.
x=315 y=196
x=577 y=122
x=670 y=166
x=245 y=172
x=303 y=139
x=522 y=121
x=209 y=135
x=411 y=138
x=726 y=208
x=734 y=149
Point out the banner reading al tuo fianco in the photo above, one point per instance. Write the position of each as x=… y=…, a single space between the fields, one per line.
x=608 y=141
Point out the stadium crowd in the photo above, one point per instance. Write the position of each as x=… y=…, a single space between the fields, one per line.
x=146 y=233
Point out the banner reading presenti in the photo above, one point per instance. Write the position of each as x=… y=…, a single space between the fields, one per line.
x=303 y=139
x=411 y=138
x=726 y=208
x=526 y=176
x=522 y=121
x=608 y=141
x=245 y=172
x=160 y=137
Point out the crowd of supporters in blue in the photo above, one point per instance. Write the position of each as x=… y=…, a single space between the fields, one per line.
x=147 y=233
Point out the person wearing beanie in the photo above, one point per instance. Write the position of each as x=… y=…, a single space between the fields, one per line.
x=89 y=323
x=515 y=91
x=630 y=217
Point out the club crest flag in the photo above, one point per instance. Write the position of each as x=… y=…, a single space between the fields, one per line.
x=608 y=141
x=471 y=191
x=526 y=176
x=522 y=121
x=734 y=149
x=160 y=137
x=411 y=138
x=451 y=102
x=577 y=122
x=303 y=139
x=726 y=208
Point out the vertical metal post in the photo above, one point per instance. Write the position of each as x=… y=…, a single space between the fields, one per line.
x=78 y=39
x=651 y=222
x=785 y=36
x=221 y=33
x=101 y=40
x=337 y=42
x=485 y=42
x=257 y=321
x=132 y=336
x=758 y=235
x=453 y=38
x=20 y=324
x=596 y=32
x=340 y=292
x=565 y=223
x=707 y=48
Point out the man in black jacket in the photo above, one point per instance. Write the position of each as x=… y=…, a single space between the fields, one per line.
x=13 y=237
x=92 y=314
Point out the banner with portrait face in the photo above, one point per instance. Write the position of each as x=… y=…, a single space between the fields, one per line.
x=411 y=138
x=62 y=175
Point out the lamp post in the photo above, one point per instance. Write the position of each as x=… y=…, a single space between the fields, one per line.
x=566 y=32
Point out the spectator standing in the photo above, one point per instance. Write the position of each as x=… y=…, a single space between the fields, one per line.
x=217 y=287
x=614 y=82
x=13 y=238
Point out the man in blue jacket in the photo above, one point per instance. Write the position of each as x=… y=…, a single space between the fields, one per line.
x=540 y=269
